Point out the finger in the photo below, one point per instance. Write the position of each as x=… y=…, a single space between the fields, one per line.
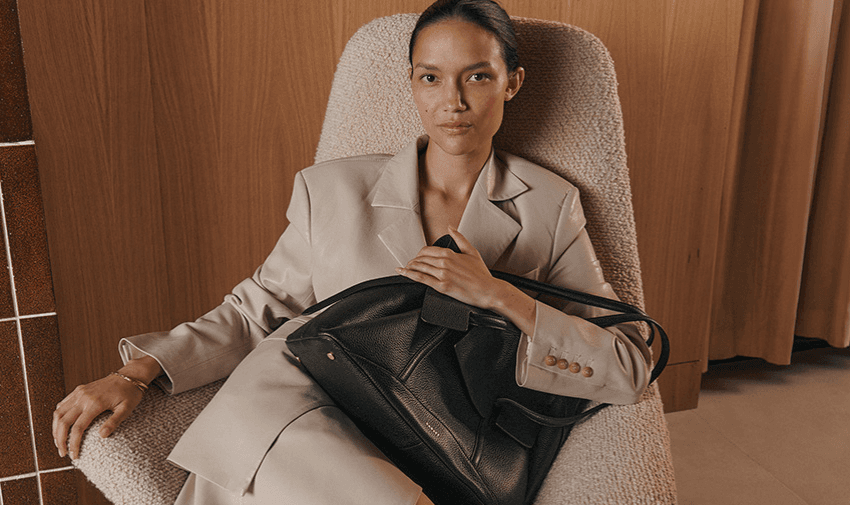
x=463 y=244
x=120 y=413
x=434 y=252
x=66 y=418
x=418 y=276
x=75 y=437
x=54 y=425
x=436 y=268
x=57 y=414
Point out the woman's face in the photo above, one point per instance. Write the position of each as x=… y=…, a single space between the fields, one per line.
x=460 y=85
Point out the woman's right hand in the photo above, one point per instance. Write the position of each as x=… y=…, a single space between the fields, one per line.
x=74 y=414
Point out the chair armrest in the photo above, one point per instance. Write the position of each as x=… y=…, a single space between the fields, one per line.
x=620 y=455
x=130 y=466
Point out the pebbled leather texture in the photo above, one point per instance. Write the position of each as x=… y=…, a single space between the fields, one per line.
x=406 y=383
x=435 y=389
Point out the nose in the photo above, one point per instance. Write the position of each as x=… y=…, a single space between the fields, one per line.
x=454 y=100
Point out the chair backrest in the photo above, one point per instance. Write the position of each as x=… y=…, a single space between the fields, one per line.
x=567 y=118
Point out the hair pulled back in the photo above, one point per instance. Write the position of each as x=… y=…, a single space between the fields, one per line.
x=484 y=13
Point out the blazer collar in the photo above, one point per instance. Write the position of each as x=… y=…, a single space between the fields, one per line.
x=486 y=226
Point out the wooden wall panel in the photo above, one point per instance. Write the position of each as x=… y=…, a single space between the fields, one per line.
x=89 y=83
x=236 y=101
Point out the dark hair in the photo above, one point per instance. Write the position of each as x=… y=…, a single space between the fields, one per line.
x=485 y=13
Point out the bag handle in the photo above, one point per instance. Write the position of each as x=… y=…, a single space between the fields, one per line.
x=626 y=313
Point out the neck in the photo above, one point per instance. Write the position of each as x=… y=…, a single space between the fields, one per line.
x=452 y=175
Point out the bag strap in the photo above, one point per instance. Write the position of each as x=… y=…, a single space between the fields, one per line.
x=549 y=421
x=627 y=312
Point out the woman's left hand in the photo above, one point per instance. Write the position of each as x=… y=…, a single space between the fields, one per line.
x=463 y=276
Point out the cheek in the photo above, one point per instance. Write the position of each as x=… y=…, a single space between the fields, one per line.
x=423 y=105
x=491 y=106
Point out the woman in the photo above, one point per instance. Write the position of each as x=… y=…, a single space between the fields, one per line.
x=271 y=435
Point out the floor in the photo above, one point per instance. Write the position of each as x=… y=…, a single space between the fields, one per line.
x=766 y=434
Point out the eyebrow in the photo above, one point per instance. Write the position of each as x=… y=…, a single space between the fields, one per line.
x=474 y=66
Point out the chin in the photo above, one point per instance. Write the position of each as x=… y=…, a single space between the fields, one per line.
x=459 y=145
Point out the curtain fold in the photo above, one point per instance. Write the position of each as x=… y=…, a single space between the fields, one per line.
x=763 y=255
x=824 y=308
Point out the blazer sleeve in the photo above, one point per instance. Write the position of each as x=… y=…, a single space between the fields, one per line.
x=568 y=355
x=197 y=353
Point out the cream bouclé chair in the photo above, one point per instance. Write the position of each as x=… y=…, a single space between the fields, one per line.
x=566 y=118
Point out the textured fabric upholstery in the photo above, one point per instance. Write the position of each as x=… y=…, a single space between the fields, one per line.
x=566 y=118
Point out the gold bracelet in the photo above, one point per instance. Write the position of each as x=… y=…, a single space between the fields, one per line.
x=139 y=384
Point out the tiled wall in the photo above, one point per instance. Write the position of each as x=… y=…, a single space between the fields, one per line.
x=31 y=382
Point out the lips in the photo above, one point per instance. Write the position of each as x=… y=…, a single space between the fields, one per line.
x=455 y=126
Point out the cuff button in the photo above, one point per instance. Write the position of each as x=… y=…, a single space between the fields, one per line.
x=587 y=372
x=575 y=368
x=549 y=360
x=563 y=364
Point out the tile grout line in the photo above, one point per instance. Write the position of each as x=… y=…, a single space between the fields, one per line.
x=33 y=474
x=60 y=469
x=33 y=316
x=29 y=316
x=17 y=477
x=20 y=342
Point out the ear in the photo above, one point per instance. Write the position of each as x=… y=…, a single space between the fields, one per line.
x=515 y=81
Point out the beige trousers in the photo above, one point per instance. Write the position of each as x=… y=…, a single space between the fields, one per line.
x=324 y=459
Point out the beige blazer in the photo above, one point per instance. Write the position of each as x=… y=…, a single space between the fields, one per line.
x=356 y=219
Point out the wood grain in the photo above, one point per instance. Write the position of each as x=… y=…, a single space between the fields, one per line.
x=229 y=95
x=679 y=386
x=89 y=83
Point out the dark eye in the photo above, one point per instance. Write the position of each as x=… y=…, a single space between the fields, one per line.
x=479 y=76
x=429 y=78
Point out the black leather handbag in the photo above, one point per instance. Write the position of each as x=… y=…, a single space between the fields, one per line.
x=431 y=381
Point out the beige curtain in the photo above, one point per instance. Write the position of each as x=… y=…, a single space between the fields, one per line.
x=783 y=260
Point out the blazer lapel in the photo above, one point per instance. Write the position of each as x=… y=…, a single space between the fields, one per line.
x=484 y=224
x=397 y=191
